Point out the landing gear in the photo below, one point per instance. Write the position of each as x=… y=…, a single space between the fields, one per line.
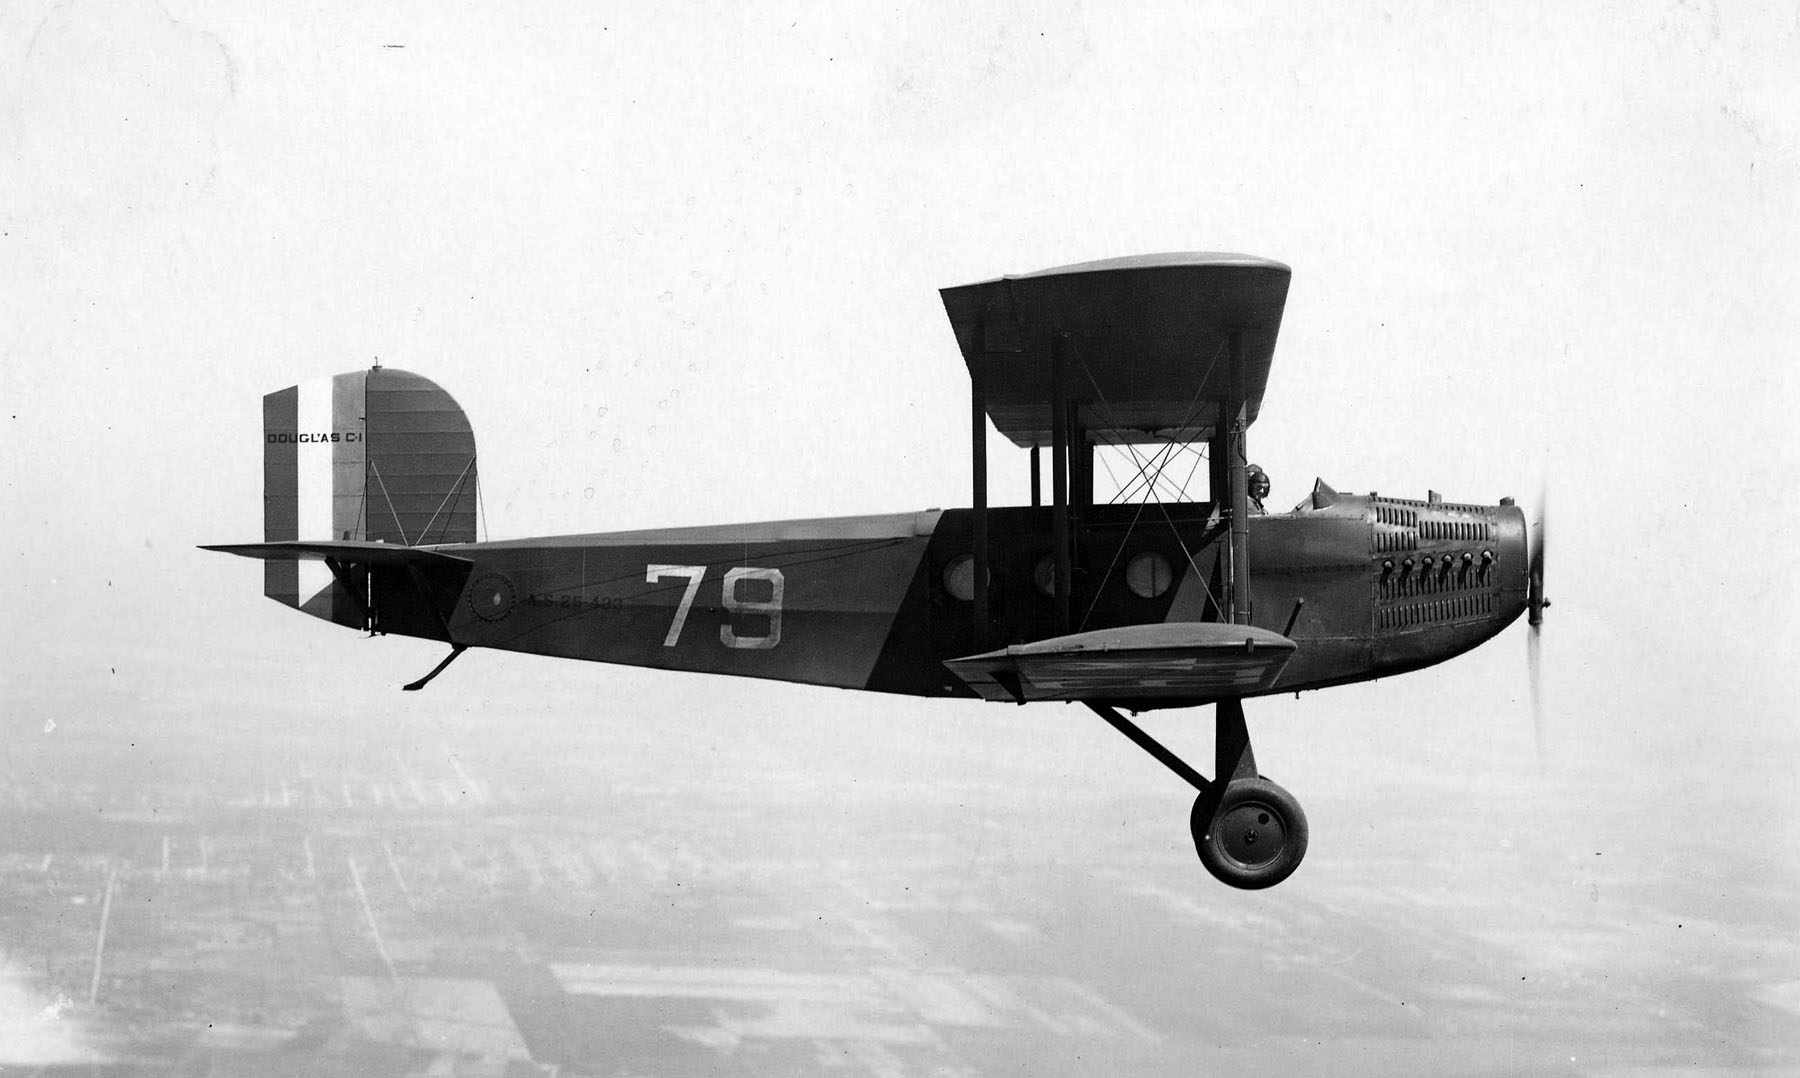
x=1252 y=835
x=1249 y=832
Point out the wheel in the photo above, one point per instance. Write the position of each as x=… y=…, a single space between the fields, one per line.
x=1251 y=835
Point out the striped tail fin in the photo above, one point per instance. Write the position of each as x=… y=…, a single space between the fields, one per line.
x=380 y=455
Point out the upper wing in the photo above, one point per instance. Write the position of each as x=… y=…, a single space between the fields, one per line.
x=1192 y=661
x=1148 y=336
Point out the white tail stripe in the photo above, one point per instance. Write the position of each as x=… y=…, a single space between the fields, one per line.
x=313 y=461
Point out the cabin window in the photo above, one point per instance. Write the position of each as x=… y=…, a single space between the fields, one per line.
x=959 y=577
x=1148 y=575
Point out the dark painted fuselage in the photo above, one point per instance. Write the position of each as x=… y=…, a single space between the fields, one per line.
x=1365 y=586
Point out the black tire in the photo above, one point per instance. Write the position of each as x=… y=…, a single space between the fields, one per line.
x=1250 y=835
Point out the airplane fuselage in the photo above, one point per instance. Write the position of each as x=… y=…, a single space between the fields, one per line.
x=1365 y=587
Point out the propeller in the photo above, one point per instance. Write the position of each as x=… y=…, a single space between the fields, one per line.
x=1534 y=617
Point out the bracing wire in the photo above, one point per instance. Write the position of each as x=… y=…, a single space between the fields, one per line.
x=398 y=526
x=1143 y=465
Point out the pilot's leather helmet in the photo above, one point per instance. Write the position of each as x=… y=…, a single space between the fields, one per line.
x=1257 y=481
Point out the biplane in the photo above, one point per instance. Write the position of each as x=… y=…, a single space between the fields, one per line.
x=1141 y=602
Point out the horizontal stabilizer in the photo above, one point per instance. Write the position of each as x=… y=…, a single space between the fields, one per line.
x=345 y=550
x=1195 y=661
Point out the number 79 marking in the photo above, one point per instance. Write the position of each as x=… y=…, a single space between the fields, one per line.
x=769 y=608
x=693 y=573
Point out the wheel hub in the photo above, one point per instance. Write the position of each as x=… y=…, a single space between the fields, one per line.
x=1251 y=833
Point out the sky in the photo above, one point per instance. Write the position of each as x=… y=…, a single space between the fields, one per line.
x=679 y=267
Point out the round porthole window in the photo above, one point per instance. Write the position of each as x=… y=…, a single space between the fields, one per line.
x=1148 y=575
x=959 y=577
x=491 y=597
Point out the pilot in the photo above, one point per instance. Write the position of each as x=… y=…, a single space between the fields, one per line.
x=1256 y=486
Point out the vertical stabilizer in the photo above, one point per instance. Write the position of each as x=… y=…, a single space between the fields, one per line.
x=379 y=455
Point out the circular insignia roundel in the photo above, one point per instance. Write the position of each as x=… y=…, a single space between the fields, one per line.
x=491 y=597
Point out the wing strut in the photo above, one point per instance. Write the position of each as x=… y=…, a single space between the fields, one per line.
x=1229 y=461
x=978 y=463
x=1240 y=491
x=1059 y=476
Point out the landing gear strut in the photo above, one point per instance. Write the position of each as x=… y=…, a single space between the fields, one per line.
x=1249 y=832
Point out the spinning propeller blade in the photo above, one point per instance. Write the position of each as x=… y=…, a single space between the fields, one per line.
x=1536 y=600
x=1535 y=604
